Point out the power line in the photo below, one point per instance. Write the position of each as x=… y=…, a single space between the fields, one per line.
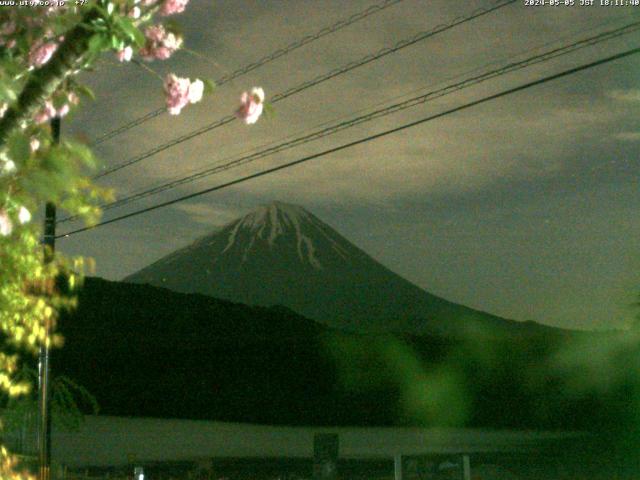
x=142 y=192
x=311 y=83
x=356 y=17
x=363 y=140
x=466 y=83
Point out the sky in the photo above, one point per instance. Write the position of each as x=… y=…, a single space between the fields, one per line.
x=525 y=206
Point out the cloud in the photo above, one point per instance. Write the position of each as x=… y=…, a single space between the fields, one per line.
x=473 y=150
x=210 y=213
x=454 y=155
x=630 y=95
x=627 y=136
x=538 y=142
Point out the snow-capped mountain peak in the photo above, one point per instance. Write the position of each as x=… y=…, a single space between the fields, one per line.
x=280 y=254
x=277 y=220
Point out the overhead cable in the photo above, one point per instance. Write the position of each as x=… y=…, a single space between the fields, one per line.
x=360 y=141
x=382 y=112
x=309 y=84
x=356 y=17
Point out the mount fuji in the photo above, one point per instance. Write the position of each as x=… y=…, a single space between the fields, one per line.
x=281 y=254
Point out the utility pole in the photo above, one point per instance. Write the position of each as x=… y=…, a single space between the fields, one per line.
x=44 y=382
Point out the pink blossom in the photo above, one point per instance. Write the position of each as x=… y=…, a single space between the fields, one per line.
x=157 y=53
x=177 y=93
x=41 y=53
x=63 y=110
x=6 y=227
x=251 y=106
x=161 y=44
x=41 y=117
x=171 y=7
x=155 y=33
x=135 y=13
x=125 y=54
x=49 y=111
x=46 y=113
x=180 y=92
x=172 y=41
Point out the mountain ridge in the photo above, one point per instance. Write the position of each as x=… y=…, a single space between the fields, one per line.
x=148 y=351
x=281 y=254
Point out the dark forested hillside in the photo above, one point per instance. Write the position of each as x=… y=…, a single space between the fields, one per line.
x=147 y=351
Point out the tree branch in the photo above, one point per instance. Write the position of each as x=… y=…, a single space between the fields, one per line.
x=43 y=82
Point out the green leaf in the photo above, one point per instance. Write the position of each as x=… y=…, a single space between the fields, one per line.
x=11 y=68
x=269 y=111
x=117 y=43
x=59 y=101
x=174 y=27
x=19 y=149
x=81 y=152
x=97 y=43
x=7 y=93
x=209 y=86
x=129 y=30
x=84 y=91
x=139 y=39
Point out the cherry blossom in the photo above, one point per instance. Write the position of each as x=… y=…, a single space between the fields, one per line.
x=196 y=90
x=251 y=106
x=155 y=33
x=125 y=54
x=63 y=110
x=49 y=111
x=6 y=227
x=46 y=113
x=171 y=7
x=180 y=92
x=40 y=53
x=161 y=44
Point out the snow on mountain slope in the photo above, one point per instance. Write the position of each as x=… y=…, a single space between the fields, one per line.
x=283 y=254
